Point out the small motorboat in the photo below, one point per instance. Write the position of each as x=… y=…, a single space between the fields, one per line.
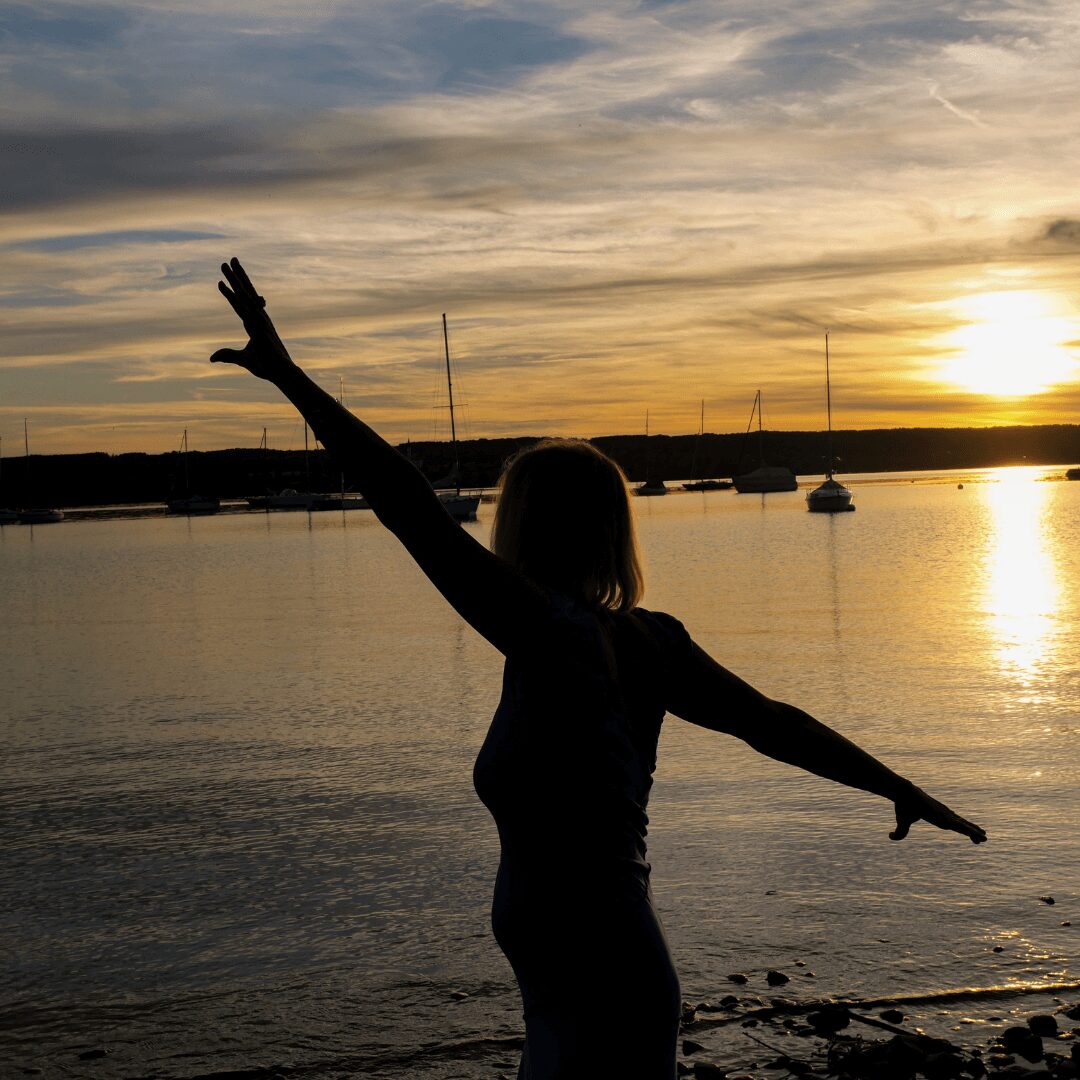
x=40 y=517
x=194 y=504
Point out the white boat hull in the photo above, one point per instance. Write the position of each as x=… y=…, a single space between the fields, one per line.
x=40 y=517
x=830 y=498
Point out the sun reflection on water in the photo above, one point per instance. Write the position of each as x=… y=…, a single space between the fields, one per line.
x=1022 y=590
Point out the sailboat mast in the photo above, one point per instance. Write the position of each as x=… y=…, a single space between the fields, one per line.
x=449 y=384
x=760 y=433
x=307 y=462
x=697 y=442
x=648 y=456
x=828 y=407
x=450 y=391
x=184 y=449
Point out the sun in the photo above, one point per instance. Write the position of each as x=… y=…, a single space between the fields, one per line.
x=1012 y=344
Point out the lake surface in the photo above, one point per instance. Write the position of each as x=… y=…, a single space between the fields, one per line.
x=236 y=806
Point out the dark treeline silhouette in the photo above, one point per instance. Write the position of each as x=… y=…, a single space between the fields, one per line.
x=104 y=479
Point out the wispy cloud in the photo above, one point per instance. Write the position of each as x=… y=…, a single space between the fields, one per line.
x=970 y=118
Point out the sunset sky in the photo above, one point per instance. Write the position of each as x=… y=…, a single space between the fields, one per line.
x=620 y=206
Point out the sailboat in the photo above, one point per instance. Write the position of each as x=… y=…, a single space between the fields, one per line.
x=39 y=516
x=459 y=507
x=191 y=504
x=831 y=496
x=340 y=501
x=7 y=517
x=287 y=498
x=650 y=486
x=765 y=477
x=702 y=485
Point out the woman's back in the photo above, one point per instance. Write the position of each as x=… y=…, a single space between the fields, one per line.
x=567 y=764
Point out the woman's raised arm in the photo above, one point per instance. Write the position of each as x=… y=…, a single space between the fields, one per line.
x=712 y=697
x=498 y=601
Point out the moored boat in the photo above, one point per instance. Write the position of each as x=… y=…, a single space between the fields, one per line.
x=194 y=504
x=650 y=485
x=40 y=517
x=831 y=496
x=36 y=516
x=765 y=478
x=288 y=499
x=190 y=503
x=708 y=485
x=7 y=517
x=338 y=502
x=702 y=485
x=459 y=507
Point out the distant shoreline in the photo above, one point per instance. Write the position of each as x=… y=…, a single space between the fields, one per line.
x=98 y=479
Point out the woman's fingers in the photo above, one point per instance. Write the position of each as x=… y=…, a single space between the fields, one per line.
x=264 y=353
x=969 y=829
x=904 y=821
x=935 y=813
x=243 y=278
x=229 y=295
x=237 y=277
x=248 y=305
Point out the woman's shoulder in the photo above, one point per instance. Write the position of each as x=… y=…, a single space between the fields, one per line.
x=663 y=630
x=666 y=630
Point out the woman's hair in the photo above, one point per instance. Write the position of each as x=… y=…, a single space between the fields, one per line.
x=564 y=519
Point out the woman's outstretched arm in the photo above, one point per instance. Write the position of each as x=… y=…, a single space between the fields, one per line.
x=491 y=595
x=712 y=697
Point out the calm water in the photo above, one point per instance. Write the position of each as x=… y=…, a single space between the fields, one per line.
x=238 y=822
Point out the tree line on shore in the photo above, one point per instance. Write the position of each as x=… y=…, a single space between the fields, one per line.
x=115 y=479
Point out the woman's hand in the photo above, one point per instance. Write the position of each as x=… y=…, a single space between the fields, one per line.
x=916 y=805
x=264 y=355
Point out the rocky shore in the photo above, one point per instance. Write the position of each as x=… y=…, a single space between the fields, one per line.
x=1025 y=1032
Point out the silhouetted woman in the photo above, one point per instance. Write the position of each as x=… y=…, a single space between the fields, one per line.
x=567 y=763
